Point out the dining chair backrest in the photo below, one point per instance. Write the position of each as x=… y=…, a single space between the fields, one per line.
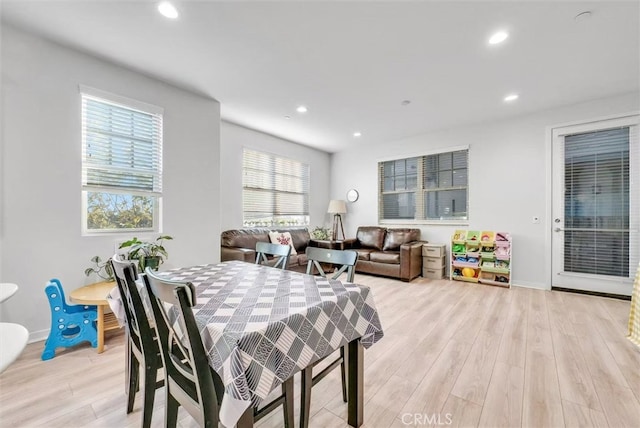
x=143 y=348
x=346 y=259
x=282 y=252
x=189 y=380
x=140 y=331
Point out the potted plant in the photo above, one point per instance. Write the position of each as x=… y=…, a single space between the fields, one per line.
x=321 y=233
x=148 y=253
x=101 y=268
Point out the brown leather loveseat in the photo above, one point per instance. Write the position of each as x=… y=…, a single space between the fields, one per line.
x=388 y=252
x=240 y=244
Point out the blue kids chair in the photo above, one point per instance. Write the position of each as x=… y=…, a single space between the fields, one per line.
x=70 y=324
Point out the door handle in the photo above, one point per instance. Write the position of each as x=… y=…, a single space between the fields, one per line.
x=558 y=229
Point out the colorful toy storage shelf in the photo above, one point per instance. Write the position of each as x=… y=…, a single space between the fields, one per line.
x=481 y=256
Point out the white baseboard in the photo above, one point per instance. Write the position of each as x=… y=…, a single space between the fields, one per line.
x=536 y=285
x=38 y=336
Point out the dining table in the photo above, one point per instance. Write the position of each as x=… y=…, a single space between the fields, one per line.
x=261 y=325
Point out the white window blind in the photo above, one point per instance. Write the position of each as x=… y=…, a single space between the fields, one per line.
x=121 y=165
x=275 y=190
x=426 y=188
x=601 y=209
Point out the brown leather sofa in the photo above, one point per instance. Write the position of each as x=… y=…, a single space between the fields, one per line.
x=240 y=244
x=388 y=252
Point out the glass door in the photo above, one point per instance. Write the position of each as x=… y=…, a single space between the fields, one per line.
x=595 y=209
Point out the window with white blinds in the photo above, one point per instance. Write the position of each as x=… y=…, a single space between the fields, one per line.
x=121 y=164
x=425 y=188
x=275 y=190
x=598 y=202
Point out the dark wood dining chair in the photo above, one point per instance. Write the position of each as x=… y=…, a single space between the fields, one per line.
x=280 y=252
x=142 y=347
x=320 y=258
x=190 y=380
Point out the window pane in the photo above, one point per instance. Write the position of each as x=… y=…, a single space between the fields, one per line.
x=389 y=185
x=431 y=163
x=412 y=166
x=412 y=182
x=431 y=180
x=446 y=204
x=434 y=172
x=445 y=179
x=597 y=203
x=388 y=169
x=275 y=190
x=460 y=159
x=399 y=206
x=460 y=177
x=597 y=253
x=444 y=161
x=121 y=165
x=119 y=211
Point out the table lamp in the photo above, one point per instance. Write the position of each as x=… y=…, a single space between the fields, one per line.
x=337 y=207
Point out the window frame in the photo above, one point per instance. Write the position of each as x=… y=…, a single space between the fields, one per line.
x=156 y=194
x=421 y=190
x=273 y=173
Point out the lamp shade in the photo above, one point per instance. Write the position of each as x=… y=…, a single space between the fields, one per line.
x=337 y=206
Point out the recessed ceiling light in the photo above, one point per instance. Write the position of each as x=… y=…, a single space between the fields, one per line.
x=511 y=97
x=168 y=10
x=287 y=117
x=357 y=134
x=301 y=109
x=498 y=37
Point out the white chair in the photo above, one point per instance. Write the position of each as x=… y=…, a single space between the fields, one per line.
x=13 y=337
x=7 y=290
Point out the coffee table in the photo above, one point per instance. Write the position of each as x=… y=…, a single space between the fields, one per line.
x=96 y=294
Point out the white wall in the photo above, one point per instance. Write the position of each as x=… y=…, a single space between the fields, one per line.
x=233 y=138
x=509 y=167
x=41 y=166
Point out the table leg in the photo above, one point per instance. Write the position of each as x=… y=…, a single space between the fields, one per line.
x=355 y=383
x=306 y=382
x=100 y=328
x=246 y=420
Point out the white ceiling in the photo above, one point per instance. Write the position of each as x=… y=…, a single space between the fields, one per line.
x=352 y=63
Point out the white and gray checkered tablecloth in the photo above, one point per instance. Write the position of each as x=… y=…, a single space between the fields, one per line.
x=260 y=325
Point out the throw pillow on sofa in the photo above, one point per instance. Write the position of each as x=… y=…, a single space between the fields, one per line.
x=282 y=238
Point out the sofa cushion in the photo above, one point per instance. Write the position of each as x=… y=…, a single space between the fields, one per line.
x=371 y=237
x=283 y=238
x=396 y=237
x=244 y=238
x=364 y=254
x=388 y=257
x=300 y=238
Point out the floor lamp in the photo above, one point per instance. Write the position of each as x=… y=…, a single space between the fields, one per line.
x=337 y=207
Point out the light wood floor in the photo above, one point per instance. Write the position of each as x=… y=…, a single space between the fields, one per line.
x=471 y=355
